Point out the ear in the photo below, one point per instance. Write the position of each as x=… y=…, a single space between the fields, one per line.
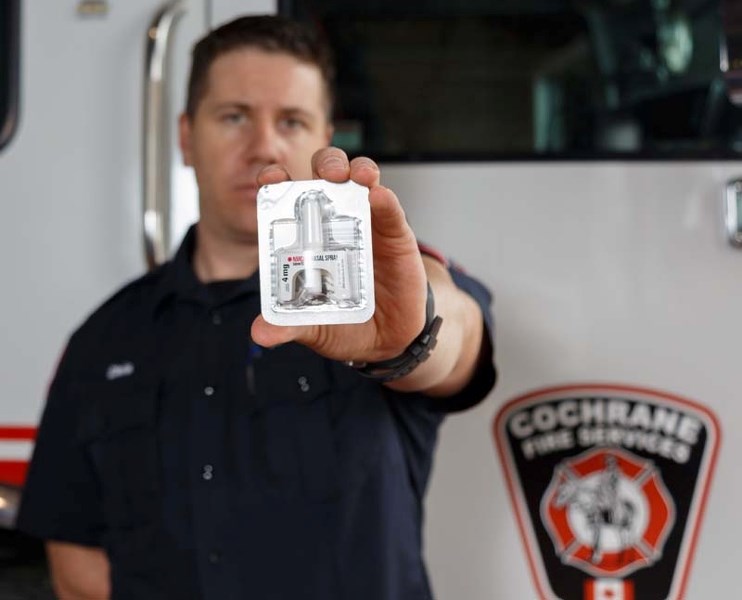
x=185 y=133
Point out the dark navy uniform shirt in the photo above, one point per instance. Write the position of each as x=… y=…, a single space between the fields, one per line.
x=210 y=468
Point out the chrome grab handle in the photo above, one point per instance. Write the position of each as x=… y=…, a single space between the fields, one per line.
x=733 y=212
x=156 y=134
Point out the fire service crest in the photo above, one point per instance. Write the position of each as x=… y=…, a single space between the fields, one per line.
x=609 y=484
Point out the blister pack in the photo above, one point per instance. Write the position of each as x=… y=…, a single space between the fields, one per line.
x=316 y=262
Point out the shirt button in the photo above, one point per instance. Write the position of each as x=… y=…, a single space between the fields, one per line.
x=207 y=472
x=215 y=557
x=208 y=390
x=216 y=318
x=303 y=384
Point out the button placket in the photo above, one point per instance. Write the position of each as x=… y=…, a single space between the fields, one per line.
x=209 y=503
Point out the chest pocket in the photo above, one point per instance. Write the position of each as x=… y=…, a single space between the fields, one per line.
x=291 y=443
x=118 y=429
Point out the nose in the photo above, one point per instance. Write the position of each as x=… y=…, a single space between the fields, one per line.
x=264 y=144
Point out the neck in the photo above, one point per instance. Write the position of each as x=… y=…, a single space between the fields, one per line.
x=217 y=258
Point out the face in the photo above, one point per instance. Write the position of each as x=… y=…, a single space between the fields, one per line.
x=259 y=108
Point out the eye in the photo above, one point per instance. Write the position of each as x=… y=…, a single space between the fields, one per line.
x=292 y=124
x=233 y=118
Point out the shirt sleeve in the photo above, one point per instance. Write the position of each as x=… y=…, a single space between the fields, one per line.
x=61 y=497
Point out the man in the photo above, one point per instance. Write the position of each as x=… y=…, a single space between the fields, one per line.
x=189 y=449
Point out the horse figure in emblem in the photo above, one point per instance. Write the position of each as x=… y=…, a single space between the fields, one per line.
x=601 y=505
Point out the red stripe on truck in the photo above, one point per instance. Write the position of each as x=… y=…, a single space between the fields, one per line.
x=13 y=472
x=17 y=433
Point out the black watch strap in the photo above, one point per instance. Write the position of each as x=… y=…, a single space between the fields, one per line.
x=417 y=352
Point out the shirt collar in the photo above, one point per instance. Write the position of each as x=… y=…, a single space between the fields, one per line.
x=179 y=280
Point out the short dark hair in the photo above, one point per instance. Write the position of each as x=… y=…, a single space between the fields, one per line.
x=266 y=32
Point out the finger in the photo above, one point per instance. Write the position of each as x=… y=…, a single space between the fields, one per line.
x=331 y=164
x=387 y=216
x=273 y=174
x=267 y=335
x=365 y=172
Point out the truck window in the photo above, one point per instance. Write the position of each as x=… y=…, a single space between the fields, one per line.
x=528 y=79
x=9 y=51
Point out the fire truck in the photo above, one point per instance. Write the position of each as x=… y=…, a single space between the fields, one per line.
x=583 y=159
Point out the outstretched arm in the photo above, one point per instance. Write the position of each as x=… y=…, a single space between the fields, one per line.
x=400 y=278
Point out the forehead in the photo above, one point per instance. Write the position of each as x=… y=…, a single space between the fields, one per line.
x=265 y=80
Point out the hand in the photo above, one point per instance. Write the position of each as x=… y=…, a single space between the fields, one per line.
x=399 y=274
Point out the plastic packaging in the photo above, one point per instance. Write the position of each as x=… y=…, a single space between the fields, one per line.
x=316 y=261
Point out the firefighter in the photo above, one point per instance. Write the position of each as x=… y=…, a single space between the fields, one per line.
x=189 y=449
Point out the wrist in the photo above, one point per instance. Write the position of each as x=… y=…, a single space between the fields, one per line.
x=413 y=356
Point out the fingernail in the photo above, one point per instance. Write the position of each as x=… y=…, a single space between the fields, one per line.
x=332 y=162
x=365 y=163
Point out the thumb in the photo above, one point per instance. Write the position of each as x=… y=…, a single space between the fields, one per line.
x=387 y=216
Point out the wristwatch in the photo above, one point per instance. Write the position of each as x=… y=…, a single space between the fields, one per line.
x=416 y=353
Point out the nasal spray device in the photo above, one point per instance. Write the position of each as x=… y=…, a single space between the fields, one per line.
x=316 y=262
